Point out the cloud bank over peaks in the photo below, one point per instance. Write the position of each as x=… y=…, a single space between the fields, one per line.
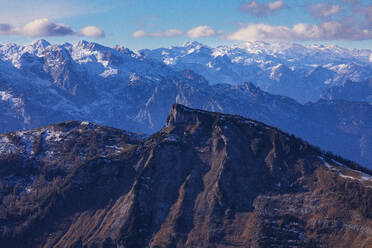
x=332 y=30
x=261 y=9
x=166 y=33
x=202 y=31
x=196 y=32
x=333 y=20
x=44 y=27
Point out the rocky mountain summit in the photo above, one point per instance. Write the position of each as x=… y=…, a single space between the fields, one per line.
x=204 y=180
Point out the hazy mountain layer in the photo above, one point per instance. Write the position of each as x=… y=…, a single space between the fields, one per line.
x=351 y=91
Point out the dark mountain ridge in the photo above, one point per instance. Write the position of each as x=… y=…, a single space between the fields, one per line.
x=204 y=180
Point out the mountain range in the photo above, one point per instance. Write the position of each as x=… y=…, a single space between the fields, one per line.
x=204 y=180
x=288 y=69
x=42 y=84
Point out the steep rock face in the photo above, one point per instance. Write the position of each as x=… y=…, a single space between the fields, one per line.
x=338 y=126
x=205 y=180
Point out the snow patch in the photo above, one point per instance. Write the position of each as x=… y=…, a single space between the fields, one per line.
x=53 y=136
x=109 y=72
x=7 y=96
x=6 y=146
x=361 y=175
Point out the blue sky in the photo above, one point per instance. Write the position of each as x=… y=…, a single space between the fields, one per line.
x=160 y=23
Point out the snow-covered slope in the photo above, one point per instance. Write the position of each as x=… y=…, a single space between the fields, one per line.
x=301 y=72
x=42 y=83
x=297 y=71
x=94 y=60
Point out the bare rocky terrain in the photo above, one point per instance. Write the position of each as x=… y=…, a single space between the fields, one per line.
x=204 y=180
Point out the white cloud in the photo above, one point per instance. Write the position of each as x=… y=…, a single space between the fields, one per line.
x=44 y=27
x=322 y=10
x=139 y=34
x=261 y=9
x=166 y=33
x=202 y=31
x=331 y=30
x=92 y=31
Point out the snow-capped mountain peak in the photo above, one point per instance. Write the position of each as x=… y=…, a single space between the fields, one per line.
x=192 y=44
x=40 y=44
